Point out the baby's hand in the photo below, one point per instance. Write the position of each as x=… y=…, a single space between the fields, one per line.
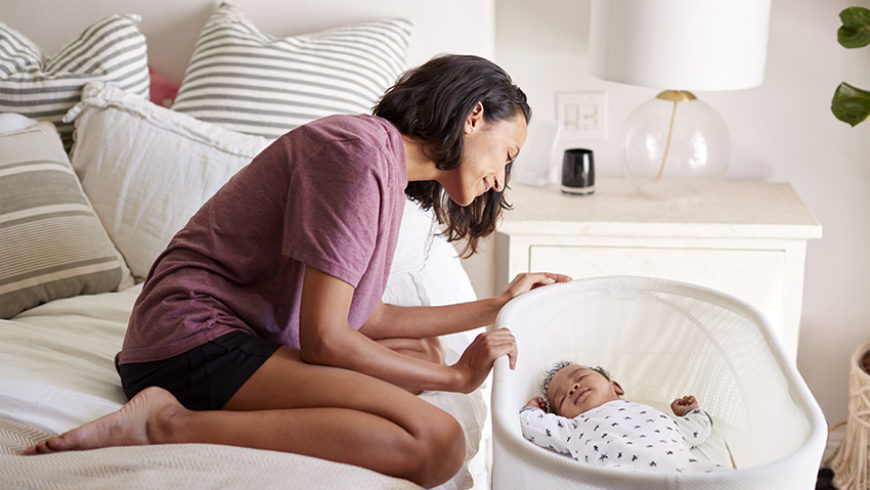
x=682 y=405
x=537 y=402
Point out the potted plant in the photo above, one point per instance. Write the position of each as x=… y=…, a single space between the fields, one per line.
x=852 y=104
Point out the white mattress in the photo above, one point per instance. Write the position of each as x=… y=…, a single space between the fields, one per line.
x=57 y=372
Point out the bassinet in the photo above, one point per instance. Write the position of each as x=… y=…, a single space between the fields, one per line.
x=660 y=339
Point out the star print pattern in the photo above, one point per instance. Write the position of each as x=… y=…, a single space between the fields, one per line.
x=638 y=438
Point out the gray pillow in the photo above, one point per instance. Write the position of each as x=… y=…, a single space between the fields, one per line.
x=45 y=87
x=51 y=243
x=251 y=82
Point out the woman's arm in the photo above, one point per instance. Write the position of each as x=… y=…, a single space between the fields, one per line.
x=388 y=321
x=326 y=338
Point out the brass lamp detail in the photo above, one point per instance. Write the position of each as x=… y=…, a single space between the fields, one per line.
x=672 y=43
x=676 y=96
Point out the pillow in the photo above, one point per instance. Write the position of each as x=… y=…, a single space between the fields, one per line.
x=436 y=278
x=10 y=122
x=51 y=243
x=249 y=81
x=417 y=232
x=45 y=88
x=148 y=169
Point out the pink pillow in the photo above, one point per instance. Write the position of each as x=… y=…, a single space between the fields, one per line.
x=163 y=91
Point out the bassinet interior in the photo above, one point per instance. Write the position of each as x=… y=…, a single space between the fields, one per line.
x=661 y=340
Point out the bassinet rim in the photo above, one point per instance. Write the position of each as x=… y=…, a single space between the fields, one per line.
x=551 y=461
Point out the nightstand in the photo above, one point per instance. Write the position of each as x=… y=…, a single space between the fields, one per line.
x=744 y=238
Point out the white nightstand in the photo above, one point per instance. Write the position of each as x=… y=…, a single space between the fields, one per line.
x=747 y=239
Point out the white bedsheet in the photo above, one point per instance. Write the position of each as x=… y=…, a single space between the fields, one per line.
x=57 y=372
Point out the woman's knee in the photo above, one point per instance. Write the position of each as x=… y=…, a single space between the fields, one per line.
x=440 y=452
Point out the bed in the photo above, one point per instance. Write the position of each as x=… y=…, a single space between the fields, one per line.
x=119 y=119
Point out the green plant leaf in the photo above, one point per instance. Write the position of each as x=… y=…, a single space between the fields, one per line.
x=855 y=32
x=851 y=104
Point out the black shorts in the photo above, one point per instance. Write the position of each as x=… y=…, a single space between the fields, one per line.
x=205 y=377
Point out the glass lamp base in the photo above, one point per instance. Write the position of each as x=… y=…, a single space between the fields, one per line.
x=674 y=145
x=672 y=188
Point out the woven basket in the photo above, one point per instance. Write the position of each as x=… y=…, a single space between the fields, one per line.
x=851 y=463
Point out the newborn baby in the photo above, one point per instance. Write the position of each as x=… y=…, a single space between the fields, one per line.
x=590 y=422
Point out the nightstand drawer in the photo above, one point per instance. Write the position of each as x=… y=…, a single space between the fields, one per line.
x=755 y=276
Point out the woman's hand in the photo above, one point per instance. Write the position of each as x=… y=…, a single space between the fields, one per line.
x=477 y=360
x=527 y=281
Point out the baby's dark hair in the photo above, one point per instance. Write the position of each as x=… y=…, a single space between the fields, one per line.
x=548 y=377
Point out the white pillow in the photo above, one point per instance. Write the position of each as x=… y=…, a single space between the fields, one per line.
x=249 y=81
x=440 y=279
x=416 y=235
x=11 y=122
x=44 y=87
x=148 y=169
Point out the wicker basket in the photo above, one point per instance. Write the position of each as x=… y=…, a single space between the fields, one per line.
x=851 y=463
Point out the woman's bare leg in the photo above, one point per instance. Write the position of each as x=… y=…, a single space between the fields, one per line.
x=288 y=405
x=419 y=437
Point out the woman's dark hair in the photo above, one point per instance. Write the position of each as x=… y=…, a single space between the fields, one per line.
x=430 y=104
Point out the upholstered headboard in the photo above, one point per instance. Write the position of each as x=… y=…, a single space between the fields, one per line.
x=172 y=26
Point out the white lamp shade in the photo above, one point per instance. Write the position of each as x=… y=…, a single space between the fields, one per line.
x=680 y=44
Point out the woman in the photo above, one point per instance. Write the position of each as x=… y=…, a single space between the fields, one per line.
x=261 y=323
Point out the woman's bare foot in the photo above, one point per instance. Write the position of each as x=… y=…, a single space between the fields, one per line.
x=140 y=421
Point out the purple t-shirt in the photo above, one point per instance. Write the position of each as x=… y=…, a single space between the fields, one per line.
x=329 y=195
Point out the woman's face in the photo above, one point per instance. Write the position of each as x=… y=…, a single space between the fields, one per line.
x=487 y=149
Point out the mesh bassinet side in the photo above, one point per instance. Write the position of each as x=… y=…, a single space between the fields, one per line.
x=660 y=340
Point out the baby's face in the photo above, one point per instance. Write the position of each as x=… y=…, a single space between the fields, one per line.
x=576 y=389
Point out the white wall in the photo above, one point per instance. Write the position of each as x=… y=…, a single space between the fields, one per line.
x=780 y=131
x=172 y=27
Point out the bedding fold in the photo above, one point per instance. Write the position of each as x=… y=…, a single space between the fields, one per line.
x=189 y=466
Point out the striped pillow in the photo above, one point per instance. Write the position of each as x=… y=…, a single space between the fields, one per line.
x=248 y=81
x=51 y=243
x=44 y=88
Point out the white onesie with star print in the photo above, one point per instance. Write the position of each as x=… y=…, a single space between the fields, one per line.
x=624 y=434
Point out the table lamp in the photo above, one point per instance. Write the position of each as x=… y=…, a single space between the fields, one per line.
x=675 y=143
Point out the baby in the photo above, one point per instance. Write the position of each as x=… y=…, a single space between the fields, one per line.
x=591 y=423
